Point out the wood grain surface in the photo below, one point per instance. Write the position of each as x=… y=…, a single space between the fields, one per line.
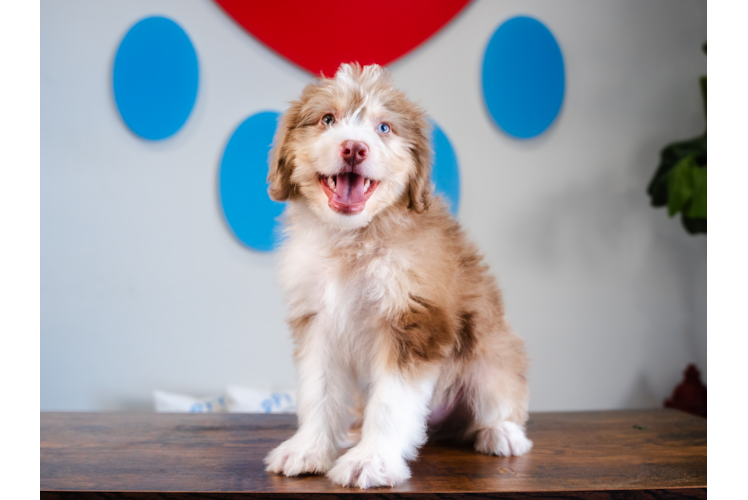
x=590 y=455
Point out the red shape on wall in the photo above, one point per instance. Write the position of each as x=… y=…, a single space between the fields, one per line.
x=690 y=394
x=319 y=35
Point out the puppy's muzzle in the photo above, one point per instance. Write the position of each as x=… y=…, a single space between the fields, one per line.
x=349 y=190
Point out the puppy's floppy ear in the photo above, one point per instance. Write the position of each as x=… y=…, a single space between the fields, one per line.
x=281 y=158
x=419 y=184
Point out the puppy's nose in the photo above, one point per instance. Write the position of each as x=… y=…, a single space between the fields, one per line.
x=354 y=152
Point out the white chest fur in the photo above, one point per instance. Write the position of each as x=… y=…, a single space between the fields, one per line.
x=325 y=271
x=349 y=287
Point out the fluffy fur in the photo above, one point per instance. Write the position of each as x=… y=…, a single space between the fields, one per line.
x=399 y=327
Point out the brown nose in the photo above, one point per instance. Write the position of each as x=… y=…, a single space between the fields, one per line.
x=354 y=152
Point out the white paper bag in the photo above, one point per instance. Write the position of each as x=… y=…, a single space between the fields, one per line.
x=169 y=402
x=238 y=399
x=247 y=400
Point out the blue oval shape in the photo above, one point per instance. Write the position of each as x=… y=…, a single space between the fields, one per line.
x=155 y=78
x=249 y=211
x=445 y=173
x=523 y=77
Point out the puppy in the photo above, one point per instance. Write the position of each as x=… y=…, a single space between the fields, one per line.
x=391 y=307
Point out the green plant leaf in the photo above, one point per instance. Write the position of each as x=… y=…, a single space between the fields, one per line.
x=680 y=185
x=697 y=207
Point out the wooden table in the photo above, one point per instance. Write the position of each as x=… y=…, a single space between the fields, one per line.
x=590 y=455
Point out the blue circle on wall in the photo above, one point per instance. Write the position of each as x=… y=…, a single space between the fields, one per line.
x=523 y=77
x=248 y=209
x=445 y=172
x=155 y=78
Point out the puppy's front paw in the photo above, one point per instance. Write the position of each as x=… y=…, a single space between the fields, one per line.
x=366 y=468
x=505 y=439
x=299 y=455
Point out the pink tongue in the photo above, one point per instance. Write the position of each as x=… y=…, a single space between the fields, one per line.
x=349 y=189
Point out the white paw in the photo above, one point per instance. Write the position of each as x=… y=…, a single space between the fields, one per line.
x=300 y=455
x=505 y=439
x=366 y=468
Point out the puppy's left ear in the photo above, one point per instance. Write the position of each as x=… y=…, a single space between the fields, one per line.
x=419 y=185
x=281 y=158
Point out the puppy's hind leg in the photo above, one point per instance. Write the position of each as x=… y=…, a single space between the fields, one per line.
x=504 y=439
x=498 y=398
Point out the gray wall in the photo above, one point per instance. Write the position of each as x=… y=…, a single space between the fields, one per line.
x=143 y=286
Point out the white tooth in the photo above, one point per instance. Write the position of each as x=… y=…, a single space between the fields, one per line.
x=331 y=182
x=367 y=182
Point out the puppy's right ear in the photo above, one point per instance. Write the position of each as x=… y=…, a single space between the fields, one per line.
x=280 y=187
x=420 y=185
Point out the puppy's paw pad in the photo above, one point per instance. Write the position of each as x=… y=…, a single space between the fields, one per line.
x=505 y=440
x=368 y=469
x=298 y=456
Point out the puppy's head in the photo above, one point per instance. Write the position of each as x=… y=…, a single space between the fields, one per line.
x=351 y=147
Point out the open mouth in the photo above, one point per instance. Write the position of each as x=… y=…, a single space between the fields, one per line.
x=347 y=192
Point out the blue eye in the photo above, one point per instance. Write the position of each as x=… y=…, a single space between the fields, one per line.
x=383 y=127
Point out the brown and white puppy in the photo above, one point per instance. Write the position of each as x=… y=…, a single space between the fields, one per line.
x=391 y=306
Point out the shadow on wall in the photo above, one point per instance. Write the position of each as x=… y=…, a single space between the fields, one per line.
x=597 y=218
x=642 y=395
x=588 y=222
